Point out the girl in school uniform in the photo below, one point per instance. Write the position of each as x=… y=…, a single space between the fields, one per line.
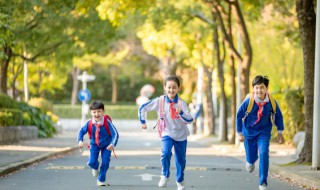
x=173 y=116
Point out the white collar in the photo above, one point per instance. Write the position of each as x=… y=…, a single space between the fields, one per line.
x=266 y=99
x=95 y=122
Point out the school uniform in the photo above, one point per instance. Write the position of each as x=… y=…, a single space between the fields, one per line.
x=103 y=142
x=174 y=134
x=256 y=128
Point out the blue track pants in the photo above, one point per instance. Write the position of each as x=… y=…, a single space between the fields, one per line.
x=105 y=160
x=259 y=145
x=180 y=149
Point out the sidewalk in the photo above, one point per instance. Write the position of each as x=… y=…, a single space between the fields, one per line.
x=279 y=167
x=15 y=157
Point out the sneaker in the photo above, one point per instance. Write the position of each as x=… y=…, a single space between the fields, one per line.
x=250 y=167
x=100 y=183
x=180 y=186
x=163 y=181
x=263 y=187
x=95 y=172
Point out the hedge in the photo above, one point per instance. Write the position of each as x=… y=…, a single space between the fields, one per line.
x=10 y=117
x=115 y=111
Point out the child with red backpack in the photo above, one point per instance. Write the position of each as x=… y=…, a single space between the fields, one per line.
x=103 y=138
x=173 y=116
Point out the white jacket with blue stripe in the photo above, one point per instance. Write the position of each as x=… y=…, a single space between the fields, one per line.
x=175 y=128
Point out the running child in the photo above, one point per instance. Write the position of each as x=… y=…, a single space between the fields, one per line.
x=103 y=138
x=255 y=118
x=173 y=116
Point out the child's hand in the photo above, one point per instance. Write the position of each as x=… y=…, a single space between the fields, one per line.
x=280 y=138
x=144 y=126
x=110 y=147
x=178 y=110
x=80 y=144
x=241 y=138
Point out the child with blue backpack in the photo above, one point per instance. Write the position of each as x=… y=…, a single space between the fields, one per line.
x=103 y=138
x=173 y=115
x=255 y=118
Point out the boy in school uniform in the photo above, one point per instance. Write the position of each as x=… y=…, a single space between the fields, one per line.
x=103 y=138
x=173 y=114
x=254 y=128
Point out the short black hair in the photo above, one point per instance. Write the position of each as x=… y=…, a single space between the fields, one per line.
x=172 y=78
x=95 y=105
x=259 y=80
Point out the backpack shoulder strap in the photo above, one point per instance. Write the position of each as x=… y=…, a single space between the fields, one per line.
x=161 y=105
x=249 y=108
x=273 y=103
x=251 y=102
x=106 y=125
x=179 y=103
x=90 y=128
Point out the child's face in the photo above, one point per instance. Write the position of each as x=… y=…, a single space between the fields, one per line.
x=260 y=91
x=171 y=89
x=97 y=114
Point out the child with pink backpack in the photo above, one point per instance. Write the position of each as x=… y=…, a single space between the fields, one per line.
x=173 y=115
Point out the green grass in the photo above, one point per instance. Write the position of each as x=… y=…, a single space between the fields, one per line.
x=114 y=111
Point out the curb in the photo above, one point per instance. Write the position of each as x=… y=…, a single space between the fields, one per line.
x=304 y=180
x=22 y=164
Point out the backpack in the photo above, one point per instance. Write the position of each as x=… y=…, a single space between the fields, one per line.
x=160 y=122
x=105 y=124
x=250 y=106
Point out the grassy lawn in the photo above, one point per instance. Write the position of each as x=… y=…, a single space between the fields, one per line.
x=115 y=111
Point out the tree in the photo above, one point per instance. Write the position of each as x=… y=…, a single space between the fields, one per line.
x=307 y=23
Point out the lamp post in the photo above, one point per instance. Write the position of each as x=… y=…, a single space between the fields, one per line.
x=316 y=105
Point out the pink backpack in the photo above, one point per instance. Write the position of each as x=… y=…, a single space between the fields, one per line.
x=160 y=122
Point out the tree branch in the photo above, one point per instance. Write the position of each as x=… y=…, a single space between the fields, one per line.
x=41 y=53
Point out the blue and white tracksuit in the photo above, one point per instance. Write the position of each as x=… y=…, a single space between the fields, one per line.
x=257 y=136
x=104 y=141
x=174 y=135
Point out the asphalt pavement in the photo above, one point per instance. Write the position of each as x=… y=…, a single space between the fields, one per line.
x=18 y=156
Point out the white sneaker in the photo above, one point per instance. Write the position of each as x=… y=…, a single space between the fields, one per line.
x=250 y=167
x=95 y=172
x=180 y=186
x=263 y=187
x=163 y=181
x=100 y=183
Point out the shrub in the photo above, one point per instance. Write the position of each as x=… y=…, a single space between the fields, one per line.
x=53 y=117
x=41 y=103
x=10 y=117
x=7 y=102
x=291 y=104
x=39 y=119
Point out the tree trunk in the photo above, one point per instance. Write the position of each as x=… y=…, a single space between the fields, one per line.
x=247 y=56
x=233 y=100
x=168 y=65
x=25 y=81
x=209 y=119
x=4 y=69
x=114 y=85
x=307 y=26
x=223 y=129
x=75 y=85
x=233 y=82
x=15 y=74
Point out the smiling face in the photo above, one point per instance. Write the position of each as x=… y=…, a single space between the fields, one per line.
x=171 y=88
x=260 y=90
x=97 y=114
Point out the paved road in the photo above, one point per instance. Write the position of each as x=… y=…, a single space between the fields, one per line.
x=138 y=168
